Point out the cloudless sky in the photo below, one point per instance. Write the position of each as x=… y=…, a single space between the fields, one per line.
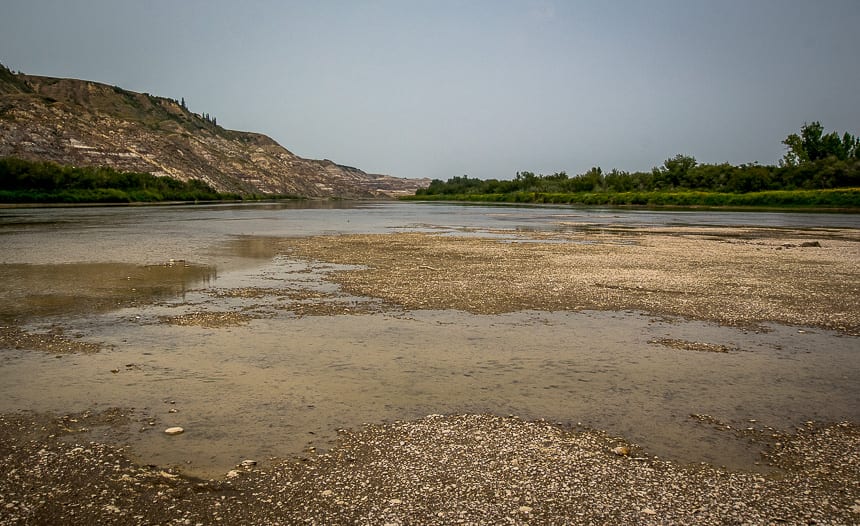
x=440 y=88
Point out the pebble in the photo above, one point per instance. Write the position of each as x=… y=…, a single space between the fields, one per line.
x=463 y=476
x=621 y=451
x=174 y=430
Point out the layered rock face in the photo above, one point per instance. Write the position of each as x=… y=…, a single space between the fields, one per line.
x=84 y=123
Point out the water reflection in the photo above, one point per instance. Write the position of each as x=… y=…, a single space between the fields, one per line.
x=282 y=381
x=81 y=289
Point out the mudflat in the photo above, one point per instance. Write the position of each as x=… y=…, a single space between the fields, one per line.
x=490 y=469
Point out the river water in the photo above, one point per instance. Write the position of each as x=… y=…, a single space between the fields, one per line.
x=282 y=383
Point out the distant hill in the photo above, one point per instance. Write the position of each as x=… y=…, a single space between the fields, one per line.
x=82 y=123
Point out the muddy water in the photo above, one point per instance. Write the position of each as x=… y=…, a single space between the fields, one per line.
x=280 y=382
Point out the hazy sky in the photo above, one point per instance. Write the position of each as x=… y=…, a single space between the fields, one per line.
x=486 y=88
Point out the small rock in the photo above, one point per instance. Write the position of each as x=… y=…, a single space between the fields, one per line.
x=232 y=474
x=395 y=502
x=174 y=430
x=525 y=509
x=248 y=463
x=810 y=244
x=649 y=511
x=327 y=493
x=622 y=451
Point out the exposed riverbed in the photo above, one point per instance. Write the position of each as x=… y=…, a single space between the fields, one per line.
x=262 y=330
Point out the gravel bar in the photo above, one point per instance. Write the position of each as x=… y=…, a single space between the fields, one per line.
x=461 y=469
x=740 y=276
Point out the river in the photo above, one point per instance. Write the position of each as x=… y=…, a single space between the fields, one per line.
x=280 y=383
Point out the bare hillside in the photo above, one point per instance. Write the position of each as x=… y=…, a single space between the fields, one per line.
x=84 y=123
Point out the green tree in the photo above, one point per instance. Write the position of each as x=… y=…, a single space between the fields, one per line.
x=812 y=144
x=526 y=180
x=592 y=180
x=796 y=153
x=675 y=172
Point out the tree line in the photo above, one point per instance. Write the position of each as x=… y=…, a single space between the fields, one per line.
x=23 y=181
x=814 y=160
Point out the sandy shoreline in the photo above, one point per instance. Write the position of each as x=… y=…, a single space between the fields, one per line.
x=484 y=469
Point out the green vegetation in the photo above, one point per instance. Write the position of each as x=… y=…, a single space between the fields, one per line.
x=11 y=82
x=847 y=198
x=820 y=170
x=813 y=145
x=45 y=182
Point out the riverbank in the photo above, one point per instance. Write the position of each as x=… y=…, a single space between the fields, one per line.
x=845 y=200
x=466 y=469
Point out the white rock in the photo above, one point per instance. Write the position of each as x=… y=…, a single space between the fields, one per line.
x=174 y=430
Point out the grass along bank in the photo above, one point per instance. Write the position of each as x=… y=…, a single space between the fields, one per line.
x=23 y=181
x=841 y=198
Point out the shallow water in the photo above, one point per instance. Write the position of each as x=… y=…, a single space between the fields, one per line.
x=281 y=383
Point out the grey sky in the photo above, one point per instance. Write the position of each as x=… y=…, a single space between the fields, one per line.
x=486 y=88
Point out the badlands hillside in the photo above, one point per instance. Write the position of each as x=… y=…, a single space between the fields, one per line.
x=83 y=123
